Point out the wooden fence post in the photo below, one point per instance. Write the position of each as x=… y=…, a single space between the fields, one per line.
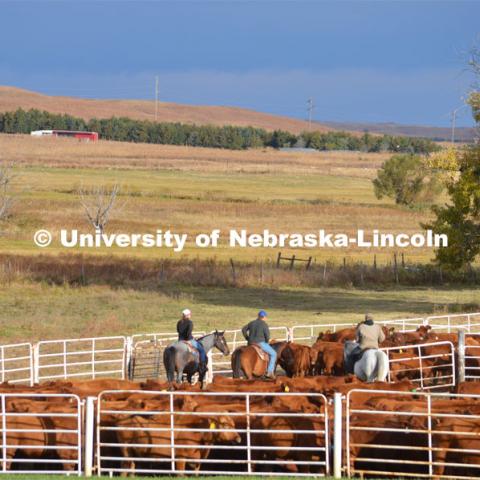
x=279 y=257
x=395 y=267
x=234 y=274
x=309 y=263
x=292 y=262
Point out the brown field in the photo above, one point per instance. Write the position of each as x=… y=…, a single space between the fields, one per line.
x=66 y=153
x=12 y=98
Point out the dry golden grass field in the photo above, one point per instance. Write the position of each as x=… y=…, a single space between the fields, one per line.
x=194 y=190
x=191 y=190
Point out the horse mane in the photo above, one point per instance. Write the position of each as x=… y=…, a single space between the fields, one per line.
x=207 y=335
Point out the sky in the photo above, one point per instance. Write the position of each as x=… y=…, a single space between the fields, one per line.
x=367 y=61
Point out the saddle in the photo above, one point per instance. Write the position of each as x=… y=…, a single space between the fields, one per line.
x=262 y=354
x=191 y=348
x=352 y=353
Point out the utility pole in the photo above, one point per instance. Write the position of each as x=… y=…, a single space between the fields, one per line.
x=454 y=117
x=156 y=97
x=310 y=109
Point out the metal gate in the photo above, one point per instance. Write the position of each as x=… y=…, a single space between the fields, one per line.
x=430 y=365
x=41 y=433
x=412 y=434
x=80 y=358
x=472 y=356
x=212 y=433
x=16 y=363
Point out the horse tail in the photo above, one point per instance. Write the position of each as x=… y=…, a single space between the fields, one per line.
x=383 y=366
x=169 y=363
x=236 y=363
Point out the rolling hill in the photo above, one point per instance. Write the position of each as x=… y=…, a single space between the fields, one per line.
x=12 y=98
x=462 y=134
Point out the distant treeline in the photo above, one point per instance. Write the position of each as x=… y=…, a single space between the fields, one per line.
x=230 y=137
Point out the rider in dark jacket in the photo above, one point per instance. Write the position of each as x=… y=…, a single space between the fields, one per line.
x=257 y=331
x=185 y=330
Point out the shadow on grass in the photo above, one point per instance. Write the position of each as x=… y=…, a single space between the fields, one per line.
x=315 y=300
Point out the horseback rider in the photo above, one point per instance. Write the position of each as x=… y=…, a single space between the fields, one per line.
x=185 y=329
x=258 y=332
x=367 y=335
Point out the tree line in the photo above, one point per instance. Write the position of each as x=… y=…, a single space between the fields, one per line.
x=230 y=137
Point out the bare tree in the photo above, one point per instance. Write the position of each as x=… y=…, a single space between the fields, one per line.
x=6 y=198
x=98 y=203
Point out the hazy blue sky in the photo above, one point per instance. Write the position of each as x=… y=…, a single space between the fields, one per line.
x=362 y=61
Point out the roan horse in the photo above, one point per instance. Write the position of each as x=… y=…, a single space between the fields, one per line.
x=246 y=361
x=178 y=358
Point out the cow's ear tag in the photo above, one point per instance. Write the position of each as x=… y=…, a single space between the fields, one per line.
x=400 y=351
x=213 y=425
x=286 y=388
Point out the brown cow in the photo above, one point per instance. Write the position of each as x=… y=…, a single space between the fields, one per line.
x=50 y=430
x=137 y=431
x=390 y=438
x=330 y=359
x=291 y=445
x=340 y=336
x=461 y=450
x=296 y=360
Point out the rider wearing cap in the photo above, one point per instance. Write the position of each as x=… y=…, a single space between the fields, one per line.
x=369 y=334
x=257 y=331
x=185 y=329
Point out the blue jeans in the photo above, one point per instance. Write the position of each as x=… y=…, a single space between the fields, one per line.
x=273 y=356
x=201 y=350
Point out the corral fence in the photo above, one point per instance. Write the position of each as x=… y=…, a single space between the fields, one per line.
x=366 y=433
x=431 y=435
x=80 y=358
x=429 y=365
x=238 y=433
x=140 y=356
x=41 y=433
x=469 y=322
x=16 y=363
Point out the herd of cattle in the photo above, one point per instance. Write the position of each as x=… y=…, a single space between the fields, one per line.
x=238 y=424
x=326 y=355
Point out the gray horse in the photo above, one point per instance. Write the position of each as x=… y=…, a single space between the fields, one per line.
x=179 y=359
x=369 y=366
